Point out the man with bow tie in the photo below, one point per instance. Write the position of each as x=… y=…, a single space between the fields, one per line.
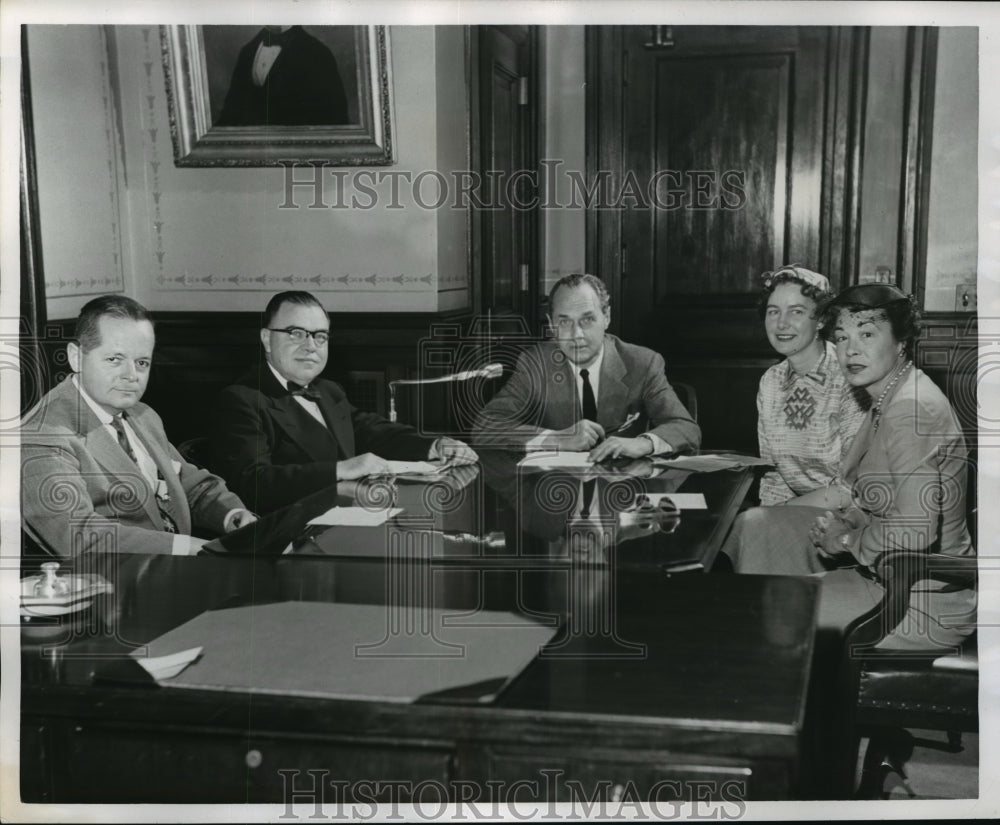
x=285 y=77
x=98 y=471
x=283 y=432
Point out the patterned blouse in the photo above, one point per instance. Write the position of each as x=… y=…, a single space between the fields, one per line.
x=805 y=424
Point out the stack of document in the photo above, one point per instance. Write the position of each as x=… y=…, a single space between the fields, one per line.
x=709 y=463
x=355 y=517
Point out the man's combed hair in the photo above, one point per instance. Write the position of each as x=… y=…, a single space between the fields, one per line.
x=88 y=334
x=305 y=299
x=580 y=279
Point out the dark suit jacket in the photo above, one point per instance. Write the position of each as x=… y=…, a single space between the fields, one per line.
x=81 y=491
x=541 y=394
x=303 y=87
x=269 y=449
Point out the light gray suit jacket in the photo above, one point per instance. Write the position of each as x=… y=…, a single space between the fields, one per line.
x=541 y=394
x=82 y=493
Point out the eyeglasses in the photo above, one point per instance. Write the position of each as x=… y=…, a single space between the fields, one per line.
x=585 y=323
x=299 y=335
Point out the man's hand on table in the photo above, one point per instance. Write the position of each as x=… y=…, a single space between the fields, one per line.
x=452 y=452
x=617 y=447
x=575 y=438
x=360 y=466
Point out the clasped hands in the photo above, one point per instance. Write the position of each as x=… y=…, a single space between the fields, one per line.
x=831 y=532
x=589 y=435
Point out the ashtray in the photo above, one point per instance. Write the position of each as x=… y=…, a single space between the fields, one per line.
x=49 y=595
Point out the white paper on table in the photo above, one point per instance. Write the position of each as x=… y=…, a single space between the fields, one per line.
x=166 y=667
x=548 y=461
x=417 y=468
x=708 y=463
x=683 y=501
x=355 y=517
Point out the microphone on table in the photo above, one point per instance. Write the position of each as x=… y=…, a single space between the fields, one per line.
x=489 y=371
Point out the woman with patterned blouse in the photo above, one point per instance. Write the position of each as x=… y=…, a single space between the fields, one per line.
x=806 y=414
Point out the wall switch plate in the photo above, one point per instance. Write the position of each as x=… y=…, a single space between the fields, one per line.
x=965 y=298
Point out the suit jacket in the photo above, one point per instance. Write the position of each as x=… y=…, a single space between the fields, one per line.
x=272 y=452
x=909 y=475
x=909 y=479
x=542 y=394
x=303 y=88
x=81 y=491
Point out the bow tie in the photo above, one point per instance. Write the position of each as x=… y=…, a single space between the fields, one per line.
x=308 y=393
x=275 y=38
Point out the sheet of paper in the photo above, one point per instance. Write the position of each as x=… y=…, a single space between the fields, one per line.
x=422 y=468
x=551 y=461
x=355 y=517
x=166 y=667
x=683 y=501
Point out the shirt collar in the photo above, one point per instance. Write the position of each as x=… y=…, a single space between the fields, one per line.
x=593 y=369
x=102 y=414
x=281 y=379
x=819 y=372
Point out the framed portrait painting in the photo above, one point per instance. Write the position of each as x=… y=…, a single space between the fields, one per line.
x=263 y=96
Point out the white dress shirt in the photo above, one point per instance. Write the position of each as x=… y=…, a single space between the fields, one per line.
x=263 y=61
x=183 y=545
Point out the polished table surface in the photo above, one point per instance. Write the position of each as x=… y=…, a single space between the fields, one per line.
x=501 y=510
x=645 y=661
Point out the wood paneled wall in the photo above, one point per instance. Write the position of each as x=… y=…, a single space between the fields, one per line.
x=197 y=354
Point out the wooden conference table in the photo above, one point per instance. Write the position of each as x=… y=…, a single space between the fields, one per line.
x=656 y=683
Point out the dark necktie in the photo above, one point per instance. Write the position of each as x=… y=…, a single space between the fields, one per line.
x=589 y=402
x=308 y=393
x=169 y=525
x=589 y=486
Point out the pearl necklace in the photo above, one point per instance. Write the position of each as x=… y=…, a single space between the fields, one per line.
x=877 y=406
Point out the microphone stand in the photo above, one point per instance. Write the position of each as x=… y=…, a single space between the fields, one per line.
x=489 y=371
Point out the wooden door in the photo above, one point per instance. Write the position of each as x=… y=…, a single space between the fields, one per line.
x=507 y=146
x=725 y=153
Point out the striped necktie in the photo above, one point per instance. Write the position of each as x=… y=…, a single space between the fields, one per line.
x=169 y=525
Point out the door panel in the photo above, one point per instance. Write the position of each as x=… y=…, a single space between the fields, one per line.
x=507 y=138
x=724 y=128
x=728 y=150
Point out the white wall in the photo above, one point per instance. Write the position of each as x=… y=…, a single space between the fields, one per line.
x=215 y=238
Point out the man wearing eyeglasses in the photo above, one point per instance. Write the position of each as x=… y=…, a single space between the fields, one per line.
x=587 y=390
x=283 y=432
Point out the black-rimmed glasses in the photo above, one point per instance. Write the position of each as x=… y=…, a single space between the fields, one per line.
x=299 y=335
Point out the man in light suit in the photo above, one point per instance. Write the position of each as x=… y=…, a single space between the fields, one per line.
x=98 y=472
x=283 y=432
x=574 y=393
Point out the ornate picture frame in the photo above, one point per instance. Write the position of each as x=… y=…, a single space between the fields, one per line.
x=197 y=77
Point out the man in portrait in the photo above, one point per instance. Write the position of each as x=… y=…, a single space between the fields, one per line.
x=285 y=77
